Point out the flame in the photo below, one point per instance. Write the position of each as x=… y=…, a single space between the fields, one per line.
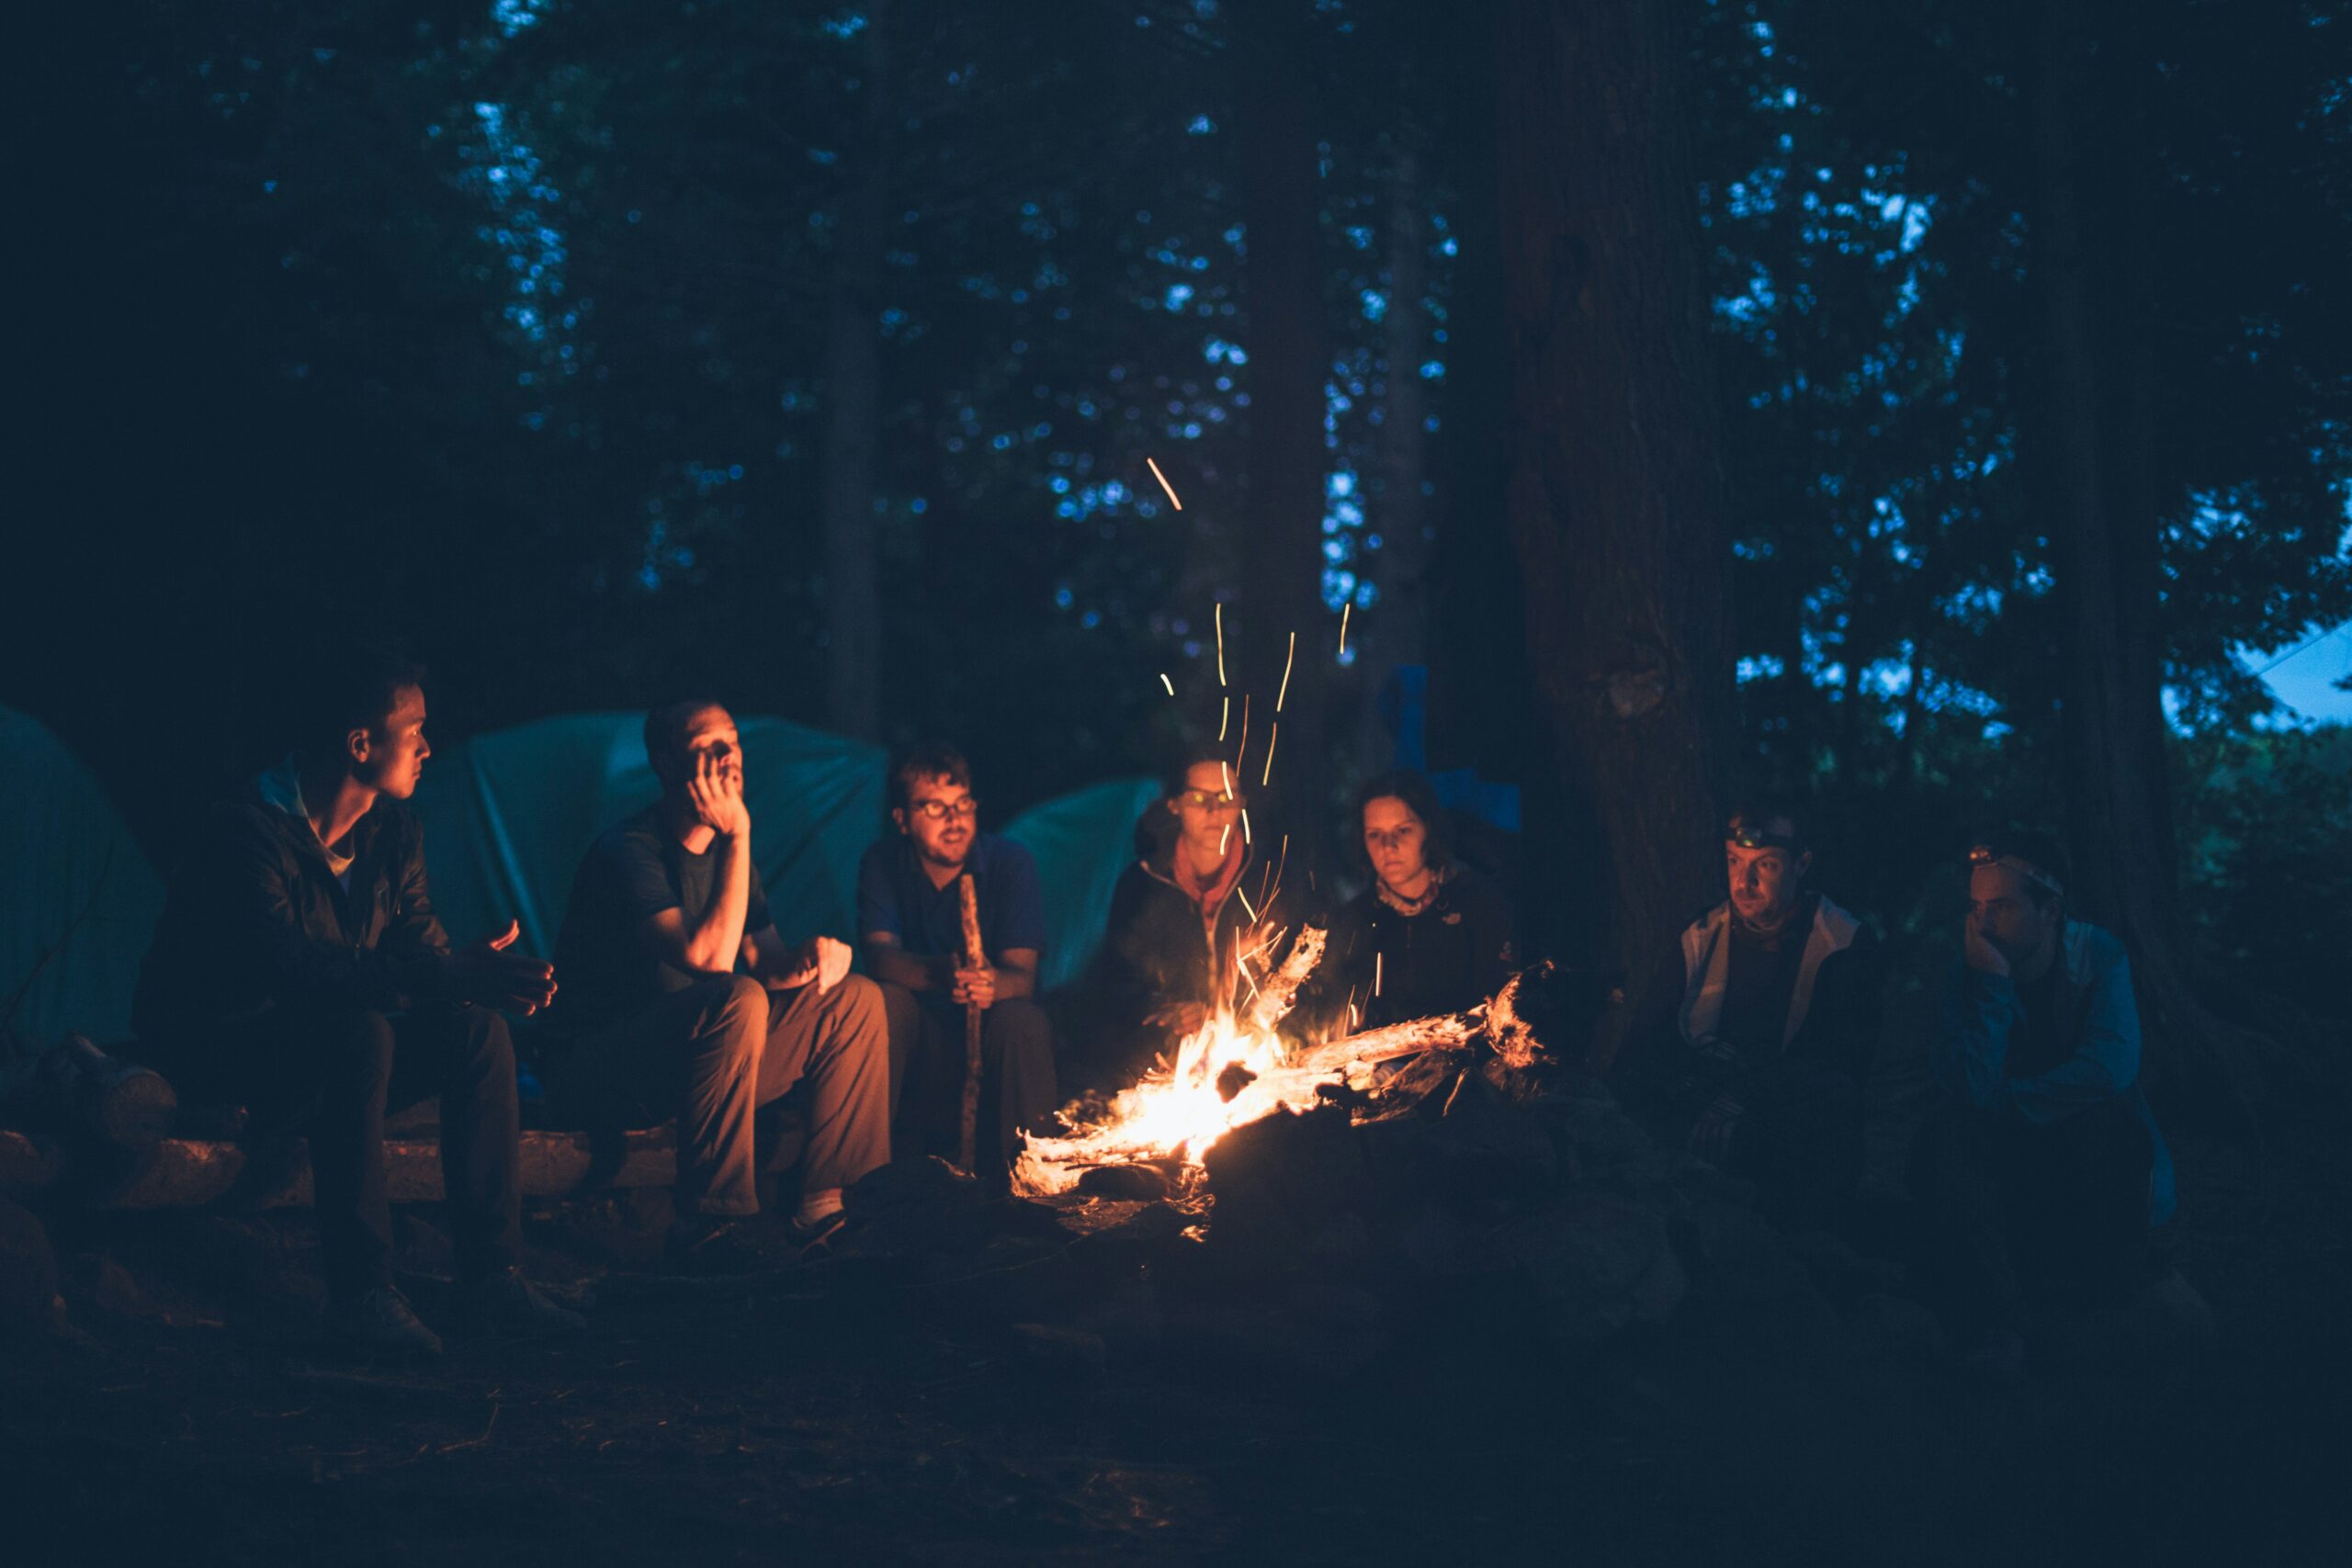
x=1178 y=1111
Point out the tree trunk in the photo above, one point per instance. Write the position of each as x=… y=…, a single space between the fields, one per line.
x=852 y=392
x=1615 y=488
x=2098 y=312
x=1396 y=511
x=1282 y=548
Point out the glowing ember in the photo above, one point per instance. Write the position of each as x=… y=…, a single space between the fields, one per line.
x=1164 y=484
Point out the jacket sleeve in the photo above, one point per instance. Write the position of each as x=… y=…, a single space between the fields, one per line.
x=1494 y=951
x=2104 y=1063
x=263 y=924
x=1844 y=1019
x=1126 y=986
x=413 y=924
x=1982 y=1011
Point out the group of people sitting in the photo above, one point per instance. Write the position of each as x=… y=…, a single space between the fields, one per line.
x=300 y=970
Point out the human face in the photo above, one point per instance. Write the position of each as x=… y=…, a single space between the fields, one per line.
x=712 y=733
x=388 y=756
x=1765 y=881
x=940 y=817
x=1397 y=842
x=1211 y=817
x=2002 y=910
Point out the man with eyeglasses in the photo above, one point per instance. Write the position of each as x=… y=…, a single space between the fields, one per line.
x=910 y=919
x=1758 y=1031
x=2044 y=1172
x=688 y=1003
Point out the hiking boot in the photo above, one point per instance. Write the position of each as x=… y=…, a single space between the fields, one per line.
x=381 y=1321
x=506 y=1302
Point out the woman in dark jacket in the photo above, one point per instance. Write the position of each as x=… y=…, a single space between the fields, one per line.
x=1181 y=916
x=1430 y=935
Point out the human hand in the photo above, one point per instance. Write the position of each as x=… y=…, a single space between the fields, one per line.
x=825 y=960
x=1711 y=1135
x=976 y=987
x=715 y=790
x=1983 y=956
x=489 y=976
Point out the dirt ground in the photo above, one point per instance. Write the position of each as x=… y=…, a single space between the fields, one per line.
x=857 y=1412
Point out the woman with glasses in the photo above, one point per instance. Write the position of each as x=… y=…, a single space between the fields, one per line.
x=1182 y=919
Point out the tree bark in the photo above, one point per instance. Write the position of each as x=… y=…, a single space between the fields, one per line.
x=1396 y=511
x=853 y=394
x=2090 y=245
x=1282 y=547
x=1615 y=488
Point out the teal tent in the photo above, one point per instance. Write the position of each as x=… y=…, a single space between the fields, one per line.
x=508 y=816
x=67 y=854
x=1083 y=841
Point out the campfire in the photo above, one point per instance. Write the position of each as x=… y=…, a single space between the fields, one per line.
x=1235 y=1069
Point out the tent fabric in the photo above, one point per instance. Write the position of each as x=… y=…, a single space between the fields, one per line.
x=66 y=848
x=509 y=814
x=1083 y=841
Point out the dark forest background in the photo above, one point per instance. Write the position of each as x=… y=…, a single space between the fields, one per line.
x=1922 y=405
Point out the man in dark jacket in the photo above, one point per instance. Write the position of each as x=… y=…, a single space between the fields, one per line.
x=2043 y=1171
x=299 y=969
x=1757 y=1031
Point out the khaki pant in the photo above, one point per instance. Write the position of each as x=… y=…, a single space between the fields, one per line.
x=715 y=1053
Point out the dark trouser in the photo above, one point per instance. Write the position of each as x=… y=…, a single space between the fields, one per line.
x=1800 y=1139
x=1017 y=1084
x=2016 y=1210
x=714 y=1053
x=335 y=1072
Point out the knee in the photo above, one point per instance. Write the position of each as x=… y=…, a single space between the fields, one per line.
x=734 y=1012
x=363 y=1039
x=490 y=1043
x=859 y=1003
x=1019 y=1026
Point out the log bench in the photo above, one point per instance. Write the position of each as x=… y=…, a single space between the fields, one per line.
x=185 y=1173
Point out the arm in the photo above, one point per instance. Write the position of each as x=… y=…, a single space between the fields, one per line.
x=1014 y=945
x=712 y=943
x=1844 y=1018
x=886 y=959
x=822 y=959
x=2105 y=1063
x=1981 y=1011
x=1494 y=951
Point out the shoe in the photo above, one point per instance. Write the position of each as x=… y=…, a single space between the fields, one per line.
x=1997 y=1358
x=381 y=1321
x=506 y=1302
x=712 y=1246
x=809 y=1235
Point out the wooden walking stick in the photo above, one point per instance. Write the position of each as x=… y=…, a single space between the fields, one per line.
x=973 y=958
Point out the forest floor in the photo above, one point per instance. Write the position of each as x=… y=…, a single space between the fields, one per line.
x=838 y=1412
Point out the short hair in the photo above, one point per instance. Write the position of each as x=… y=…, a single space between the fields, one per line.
x=930 y=759
x=2038 y=848
x=665 y=733
x=352 y=687
x=1417 y=793
x=1757 y=809
x=1173 y=783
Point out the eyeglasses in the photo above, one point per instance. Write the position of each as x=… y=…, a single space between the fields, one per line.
x=1212 y=800
x=941 y=810
x=1990 y=855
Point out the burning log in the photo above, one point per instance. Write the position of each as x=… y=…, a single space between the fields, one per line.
x=1494 y=1020
x=1281 y=990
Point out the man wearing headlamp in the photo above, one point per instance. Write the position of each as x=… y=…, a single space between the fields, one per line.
x=2044 y=1172
x=1756 y=1039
